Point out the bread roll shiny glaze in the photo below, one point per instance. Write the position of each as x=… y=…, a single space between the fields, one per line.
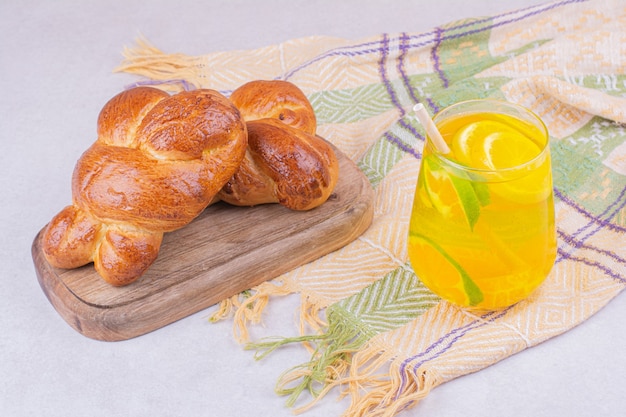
x=158 y=161
x=275 y=99
x=285 y=162
x=283 y=165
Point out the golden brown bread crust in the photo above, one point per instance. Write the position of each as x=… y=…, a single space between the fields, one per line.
x=283 y=165
x=285 y=162
x=158 y=161
x=275 y=99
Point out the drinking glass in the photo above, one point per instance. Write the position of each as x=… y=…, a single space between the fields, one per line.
x=482 y=232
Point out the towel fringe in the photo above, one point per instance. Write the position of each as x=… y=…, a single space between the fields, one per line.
x=388 y=386
x=247 y=308
x=172 y=72
x=311 y=320
x=377 y=384
x=331 y=352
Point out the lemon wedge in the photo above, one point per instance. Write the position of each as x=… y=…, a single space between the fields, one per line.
x=451 y=273
x=503 y=150
x=453 y=196
x=506 y=150
x=468 y=141
x=496 y=145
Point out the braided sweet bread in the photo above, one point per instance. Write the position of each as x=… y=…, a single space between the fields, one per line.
x=285 y=162
x=157 y=163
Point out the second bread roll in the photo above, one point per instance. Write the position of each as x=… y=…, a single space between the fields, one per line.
x=285 y=161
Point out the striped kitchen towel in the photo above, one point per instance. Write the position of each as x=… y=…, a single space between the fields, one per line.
x=373 y=330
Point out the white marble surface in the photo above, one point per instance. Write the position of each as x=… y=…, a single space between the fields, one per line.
x=56 y=59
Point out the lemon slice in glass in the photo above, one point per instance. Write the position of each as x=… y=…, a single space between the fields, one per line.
x=452 y=276
x=503 y=150
x=506 y=150
x=495 y=145
x=454 y=197
x=467 y=143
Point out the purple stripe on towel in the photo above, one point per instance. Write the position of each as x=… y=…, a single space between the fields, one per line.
x=434 y=56
x=447 y=340
x=390 y=137
x=611 y=211
x=595 y=220
x=589 y=262
x=409 y=127
x=531 y=13
x=573 y=242
x=404 y=48
x=371 y=47
x=382 y=62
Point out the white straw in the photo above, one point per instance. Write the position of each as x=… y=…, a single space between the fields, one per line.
x=431 y=129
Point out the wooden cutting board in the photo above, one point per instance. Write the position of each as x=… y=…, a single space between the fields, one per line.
x=223 y=252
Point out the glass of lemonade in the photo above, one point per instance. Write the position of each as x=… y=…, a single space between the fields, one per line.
x=482 y=232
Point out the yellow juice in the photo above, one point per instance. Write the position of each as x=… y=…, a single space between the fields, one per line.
x=482 y=232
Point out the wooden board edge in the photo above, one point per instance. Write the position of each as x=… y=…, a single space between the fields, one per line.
x=124 y=322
